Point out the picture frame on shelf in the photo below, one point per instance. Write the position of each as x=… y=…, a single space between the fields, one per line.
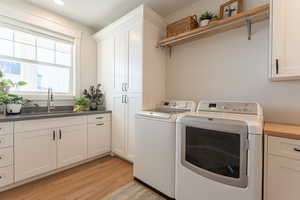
x=231 y=8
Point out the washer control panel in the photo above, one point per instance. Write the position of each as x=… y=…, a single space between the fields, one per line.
x=228 y=107
x=179 y=105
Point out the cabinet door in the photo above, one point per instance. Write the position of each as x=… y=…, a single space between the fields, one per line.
x=121 y=60
x=134 y=66
x=35 y=153
x=285 y=39
x=106 y=63
x=133 y=105
x=71 y=145
x=118 y=124
x=98 y=138
x=283 y=178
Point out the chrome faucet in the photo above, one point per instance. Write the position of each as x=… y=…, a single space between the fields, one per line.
x=50 y=100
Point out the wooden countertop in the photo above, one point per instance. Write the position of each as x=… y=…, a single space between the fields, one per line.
x=282 y=130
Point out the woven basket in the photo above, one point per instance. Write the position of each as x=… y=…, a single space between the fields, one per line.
x=182 y=26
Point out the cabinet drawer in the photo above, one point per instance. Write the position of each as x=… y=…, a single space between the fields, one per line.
x=6 y=157
x=6 y=176
x=6 y=141
x=98 y=118
x=6 y=128
x=284 y=147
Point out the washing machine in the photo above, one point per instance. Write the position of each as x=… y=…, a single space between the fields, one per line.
x=219 y=152
x=155 y=145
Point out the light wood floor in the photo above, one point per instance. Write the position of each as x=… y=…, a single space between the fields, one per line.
x=91 y=181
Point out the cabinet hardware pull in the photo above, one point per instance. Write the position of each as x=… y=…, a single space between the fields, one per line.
x=53 y=136
x=123 y=101
x=277 y=66
x=59 y=134
x=102 y=124
x=123 y=87
x=0 y=177
x=126 y=99
x=126 y=87
x=99 y=117
x=0 y=157
x=297 y=149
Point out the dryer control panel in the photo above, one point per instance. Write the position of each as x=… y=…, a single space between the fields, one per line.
x=229 y=107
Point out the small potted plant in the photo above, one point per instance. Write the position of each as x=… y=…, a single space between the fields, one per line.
x=95 y=95
x=13 y=102
x=81 y=104
x=206 y=18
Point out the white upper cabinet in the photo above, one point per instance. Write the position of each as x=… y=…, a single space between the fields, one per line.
x=121 y=60
x=106 y=57
x=134 y=69
x=135 y=79
x=285 y=40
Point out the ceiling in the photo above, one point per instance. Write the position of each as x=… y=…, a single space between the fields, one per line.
x=99 y=13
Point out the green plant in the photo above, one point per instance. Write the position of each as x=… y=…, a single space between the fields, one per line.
x=5 y=96
x=81 y=104
x=208 y=15
x=94 y=94
x=13 y=99
x=6 y=84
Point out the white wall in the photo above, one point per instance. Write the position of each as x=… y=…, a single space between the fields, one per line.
x=88 y=57
x=229 y=67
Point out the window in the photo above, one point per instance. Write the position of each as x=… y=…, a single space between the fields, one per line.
x=40 y=60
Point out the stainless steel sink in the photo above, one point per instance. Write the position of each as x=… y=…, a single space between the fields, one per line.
x=48 y=113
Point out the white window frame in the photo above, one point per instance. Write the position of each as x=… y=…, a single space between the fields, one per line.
x=28 y=23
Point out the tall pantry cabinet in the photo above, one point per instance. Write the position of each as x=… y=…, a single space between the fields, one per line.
x=132 y=71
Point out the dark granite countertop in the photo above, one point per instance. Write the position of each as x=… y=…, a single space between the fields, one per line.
x=45 y=115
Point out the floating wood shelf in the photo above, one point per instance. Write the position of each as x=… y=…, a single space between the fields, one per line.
x=246 y=18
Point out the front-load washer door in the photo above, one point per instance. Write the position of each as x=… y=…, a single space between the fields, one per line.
x=216 y=149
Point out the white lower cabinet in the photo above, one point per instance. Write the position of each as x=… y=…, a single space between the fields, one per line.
x=123 y=123
x=6 y=176
x=6 y=154
x=118 y=125
x=74 y=140
x=35 y=153
x=283 y=178
x=283 y=169
x=71 y=145
x=99 y=138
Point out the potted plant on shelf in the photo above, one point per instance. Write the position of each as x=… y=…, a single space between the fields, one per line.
x=13 y=102
x=81 y=104
x=206 y=18
x=96 y=97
